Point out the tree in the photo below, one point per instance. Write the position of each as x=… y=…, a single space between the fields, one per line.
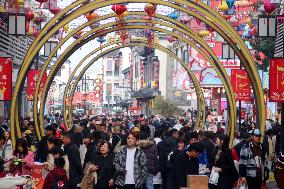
x=164 y=107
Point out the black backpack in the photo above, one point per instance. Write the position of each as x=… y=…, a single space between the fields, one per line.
x=59 y=184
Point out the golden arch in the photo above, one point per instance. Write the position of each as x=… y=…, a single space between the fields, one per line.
x=110 y=24
x=196 y=84
x=198 y=6
x=223 y=75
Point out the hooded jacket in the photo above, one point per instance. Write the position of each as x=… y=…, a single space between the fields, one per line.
x=53 y=175
x=150 y=150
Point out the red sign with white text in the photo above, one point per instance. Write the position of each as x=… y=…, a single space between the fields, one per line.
x=276 y=80
x=33 y=76
x=241 y=85
x=93 y=97
x=78 y=98
x=6 y=68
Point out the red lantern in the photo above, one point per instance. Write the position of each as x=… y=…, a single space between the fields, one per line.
x=119 y=9
x=55 y=11
x=92 y=16
x=41 y=2
x=268 y=6
x=150 y=9
x=30 y=15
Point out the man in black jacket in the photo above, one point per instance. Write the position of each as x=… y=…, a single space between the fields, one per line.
x=209 y=147
x=186 y=163
x=75 y=167
x=42 y=151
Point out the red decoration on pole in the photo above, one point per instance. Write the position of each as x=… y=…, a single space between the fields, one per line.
x=32 y=81
x=55 y=10
x=6 y=68
x=241 y=85
x=119 y=9
x=41 y=2
x=276 y=80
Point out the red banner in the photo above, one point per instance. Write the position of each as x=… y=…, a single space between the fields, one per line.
x=276 y=81
x=31 y=83
x=241 y=85
x=6 y=68
x=93 y=97
x=78 y=98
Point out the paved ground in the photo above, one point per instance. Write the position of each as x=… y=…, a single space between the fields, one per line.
x=271 y=186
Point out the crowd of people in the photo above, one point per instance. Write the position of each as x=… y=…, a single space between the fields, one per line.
x=139 y=152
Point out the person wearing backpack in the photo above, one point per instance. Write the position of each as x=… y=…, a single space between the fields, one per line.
x=57 y=178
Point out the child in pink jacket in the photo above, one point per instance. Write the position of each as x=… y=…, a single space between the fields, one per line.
x=25 y=157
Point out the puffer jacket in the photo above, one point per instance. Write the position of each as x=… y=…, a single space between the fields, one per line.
x=140 y=169
x=150 y=150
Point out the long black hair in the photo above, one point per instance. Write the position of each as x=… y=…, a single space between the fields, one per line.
x=225 y=139
x=21 y=142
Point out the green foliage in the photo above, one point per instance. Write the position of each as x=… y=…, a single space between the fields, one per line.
x=267 y=47
x=164 y=107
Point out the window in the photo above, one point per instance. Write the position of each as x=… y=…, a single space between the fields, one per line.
x=116 y=68
x=185 y=56
x=108 y=73
x=108 y=98
x=108 y=89
x=136 y=69
x=109 y=65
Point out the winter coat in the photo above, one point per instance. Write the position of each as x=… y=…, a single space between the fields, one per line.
x=171 y=181
x=140 y=169
x=50 y=163
x=75 y=166
x=226 y=163
x=89 y=154
x=239 y=146
x=248 y=166
x=52 y=176
x=279 y=171
x=105 y=170
x=150 y=150
x=29 y=164
x=42 y=150
x=184 y=166
x=165 y=147
x=209 y=148
x=90 y=178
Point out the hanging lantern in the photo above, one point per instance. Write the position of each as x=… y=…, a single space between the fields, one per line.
x=55 y=10
x=66 y=28
x=203 y=33
x=223 y=6
x=268 y=6
x=101 y=40
x=184 y=19
x=78 y=35
x=41 y=2
x=92 y=16
x=38 y=19
x=30 y=16
x=198 y=21
x=35 y=33
x=173 y=16
x=119 y=9
x=170 y=38
x=150 y=9
x=248 y=22
x=230 y=3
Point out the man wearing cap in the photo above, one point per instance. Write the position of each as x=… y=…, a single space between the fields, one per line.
x=251 y=162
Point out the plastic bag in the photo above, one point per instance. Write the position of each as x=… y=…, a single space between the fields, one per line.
x=214 y=177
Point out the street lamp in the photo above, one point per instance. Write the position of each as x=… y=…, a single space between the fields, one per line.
x=267 y=26
x=17 y=24
x=227 y=52
x=48 y=48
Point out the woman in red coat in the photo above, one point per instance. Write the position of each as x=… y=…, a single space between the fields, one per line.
x=57 y=176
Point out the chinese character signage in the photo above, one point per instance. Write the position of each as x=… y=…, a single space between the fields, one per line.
x=241 y=85
x=276 y=81
x=6 y=67
x=31 y=83
x=78 y=98
x=93 y=97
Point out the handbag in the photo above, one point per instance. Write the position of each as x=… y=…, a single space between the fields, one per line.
x=214 y=177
